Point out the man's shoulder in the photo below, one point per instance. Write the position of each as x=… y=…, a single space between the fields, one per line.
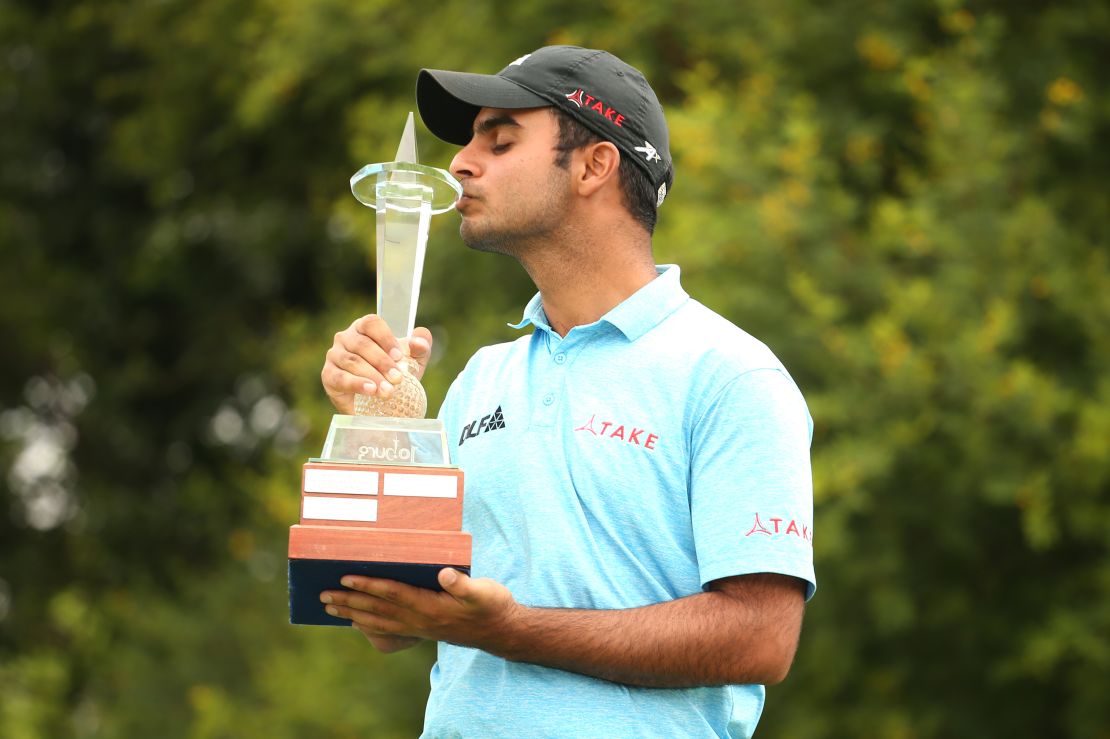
x=709 y=338
x=484 y=368
x=725 y=361
x=497 y=355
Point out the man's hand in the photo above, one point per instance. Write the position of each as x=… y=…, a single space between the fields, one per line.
x=392 y=615
x=363 y=359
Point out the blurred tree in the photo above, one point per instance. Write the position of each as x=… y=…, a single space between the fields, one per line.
x=903 y=198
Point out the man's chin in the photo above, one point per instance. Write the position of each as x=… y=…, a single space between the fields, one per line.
x=481 y=240
x=469 y=234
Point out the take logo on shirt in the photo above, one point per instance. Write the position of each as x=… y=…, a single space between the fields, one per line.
x=780 y=526
x=620 y=432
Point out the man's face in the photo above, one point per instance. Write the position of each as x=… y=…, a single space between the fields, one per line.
x=514 y=195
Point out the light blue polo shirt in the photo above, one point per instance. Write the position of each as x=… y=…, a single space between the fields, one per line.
x=630 y=462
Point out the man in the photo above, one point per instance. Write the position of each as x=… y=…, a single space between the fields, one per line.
x=642 y=510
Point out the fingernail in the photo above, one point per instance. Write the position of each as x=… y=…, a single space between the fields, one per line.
x=396 y=354
x=347 y=583
x=386 y=388
x=449 y=577
x=369 y=388
x=394 y=376
x=332 y=611
x=325 y=598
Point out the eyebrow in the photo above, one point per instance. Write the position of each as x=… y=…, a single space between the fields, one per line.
x=486 y=125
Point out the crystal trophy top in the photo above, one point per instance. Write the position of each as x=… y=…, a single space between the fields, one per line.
x=404 y=195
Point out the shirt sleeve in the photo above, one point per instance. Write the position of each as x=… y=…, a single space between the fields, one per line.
x=751 y=487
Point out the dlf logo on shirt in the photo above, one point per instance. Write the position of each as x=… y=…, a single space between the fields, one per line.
x=488 y=422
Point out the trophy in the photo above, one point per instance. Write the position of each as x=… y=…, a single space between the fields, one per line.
x=383 y=499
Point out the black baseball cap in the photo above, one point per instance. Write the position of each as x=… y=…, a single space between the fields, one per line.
x=607 y=96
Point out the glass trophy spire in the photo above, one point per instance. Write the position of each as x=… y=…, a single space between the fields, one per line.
x=404 y=194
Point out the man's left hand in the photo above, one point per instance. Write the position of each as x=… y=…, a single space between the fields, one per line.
x=473 y=612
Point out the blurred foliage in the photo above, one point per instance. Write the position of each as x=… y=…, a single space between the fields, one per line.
x=905 y=199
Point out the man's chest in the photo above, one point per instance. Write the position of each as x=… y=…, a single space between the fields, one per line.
x=573 y=440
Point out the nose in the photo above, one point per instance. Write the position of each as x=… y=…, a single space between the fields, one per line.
x=465 y=164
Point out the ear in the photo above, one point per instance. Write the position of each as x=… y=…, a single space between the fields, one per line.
x=600 y=167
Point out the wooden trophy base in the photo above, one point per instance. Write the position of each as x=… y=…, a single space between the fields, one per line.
x=399 y=523
x=320 y=555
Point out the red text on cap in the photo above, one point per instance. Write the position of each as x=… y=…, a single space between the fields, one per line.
x=583 y=99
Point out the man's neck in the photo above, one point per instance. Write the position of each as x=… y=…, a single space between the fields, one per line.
x=580 y=282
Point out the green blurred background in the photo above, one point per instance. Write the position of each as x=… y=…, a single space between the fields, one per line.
x=906 y=199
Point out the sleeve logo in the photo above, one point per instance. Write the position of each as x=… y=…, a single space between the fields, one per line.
x=780 y=526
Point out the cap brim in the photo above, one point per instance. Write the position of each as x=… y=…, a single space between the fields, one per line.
x=449 y=101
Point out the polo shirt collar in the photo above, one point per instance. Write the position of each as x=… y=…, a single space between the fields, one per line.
x=633 y=317
x=533 y=315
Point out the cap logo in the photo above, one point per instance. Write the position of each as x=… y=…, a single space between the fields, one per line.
x=519 y=60
x=649 y=152
x=583 y=99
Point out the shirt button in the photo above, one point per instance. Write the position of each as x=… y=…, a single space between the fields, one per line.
x=548 y=399
x=560 y=358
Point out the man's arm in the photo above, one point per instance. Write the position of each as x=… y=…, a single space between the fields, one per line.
x=743 y=630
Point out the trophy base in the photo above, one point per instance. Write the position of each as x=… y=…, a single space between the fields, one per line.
x=310 y=577
x=320 y=555
x=397 y=519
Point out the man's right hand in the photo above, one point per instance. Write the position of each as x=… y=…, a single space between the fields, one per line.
x=363 y=359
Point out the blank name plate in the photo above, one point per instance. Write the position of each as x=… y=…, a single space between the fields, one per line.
x=347 y=508
x=349 y=481
x=421 y=486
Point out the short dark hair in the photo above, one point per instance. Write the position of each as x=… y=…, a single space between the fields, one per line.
x=639 y=195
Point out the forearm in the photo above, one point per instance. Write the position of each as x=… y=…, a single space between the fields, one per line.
x=705 y=639
x=744 y=630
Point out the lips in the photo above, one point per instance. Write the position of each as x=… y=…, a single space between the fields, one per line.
x=466 y=199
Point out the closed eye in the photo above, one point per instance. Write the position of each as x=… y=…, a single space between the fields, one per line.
x=500 y=148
